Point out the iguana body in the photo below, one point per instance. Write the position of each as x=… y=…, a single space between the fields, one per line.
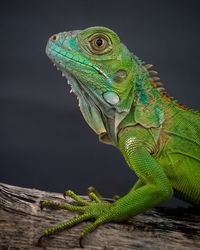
x=121 y=99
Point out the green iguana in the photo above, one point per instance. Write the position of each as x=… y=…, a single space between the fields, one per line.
x=122 y=100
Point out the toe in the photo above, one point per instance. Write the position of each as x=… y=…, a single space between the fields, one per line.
x=76 y=197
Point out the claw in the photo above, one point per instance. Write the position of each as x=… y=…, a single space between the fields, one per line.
x=64 y=195
x=68 y=193
x=39 y=243
x=41 y=205
x=81 y=242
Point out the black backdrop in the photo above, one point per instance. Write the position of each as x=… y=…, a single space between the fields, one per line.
x=44 y=141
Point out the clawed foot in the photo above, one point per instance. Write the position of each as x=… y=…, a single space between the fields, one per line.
x=95 y=208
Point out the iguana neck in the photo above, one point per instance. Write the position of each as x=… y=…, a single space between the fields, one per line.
x=147 y=89
x=150 y=102
x=144 y=104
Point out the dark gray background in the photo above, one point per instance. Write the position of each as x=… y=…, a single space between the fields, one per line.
x=44 y=141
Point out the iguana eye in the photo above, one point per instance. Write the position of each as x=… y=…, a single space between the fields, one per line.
x=99 y=43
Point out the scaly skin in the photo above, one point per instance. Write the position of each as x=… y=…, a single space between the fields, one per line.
x=123 y=102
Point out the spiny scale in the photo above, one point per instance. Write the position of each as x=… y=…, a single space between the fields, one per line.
x=153 y=72
x=148 y=66
x=154 y=76
x=156 y=79
x=157 y=84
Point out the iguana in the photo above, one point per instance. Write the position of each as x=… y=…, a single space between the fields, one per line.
x=122 y=100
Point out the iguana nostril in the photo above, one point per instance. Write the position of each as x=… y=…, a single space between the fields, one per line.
x=54 y=38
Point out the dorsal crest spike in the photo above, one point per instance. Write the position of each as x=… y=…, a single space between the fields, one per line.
x=155 y=79
x=148 y=66
x=159 y=84
x=153 y=73
x=156 y=84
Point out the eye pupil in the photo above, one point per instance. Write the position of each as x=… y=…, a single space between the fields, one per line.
x=99 y=42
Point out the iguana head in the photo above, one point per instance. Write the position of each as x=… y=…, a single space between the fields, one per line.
x=108 y=80
x=98 y=67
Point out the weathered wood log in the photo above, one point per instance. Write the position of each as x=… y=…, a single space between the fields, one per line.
x=22 y=222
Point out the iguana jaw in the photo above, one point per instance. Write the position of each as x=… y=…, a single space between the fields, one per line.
x=92 y=83
x=88 y=102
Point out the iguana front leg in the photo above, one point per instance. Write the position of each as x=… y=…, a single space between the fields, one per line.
x=153 y=186
x=152 y=189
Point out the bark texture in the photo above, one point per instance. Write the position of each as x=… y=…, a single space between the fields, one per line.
x=22 y=222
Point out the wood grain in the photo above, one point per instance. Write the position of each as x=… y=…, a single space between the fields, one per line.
x=22 y=222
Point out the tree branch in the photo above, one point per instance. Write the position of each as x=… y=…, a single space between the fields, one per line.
x=22 y=222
